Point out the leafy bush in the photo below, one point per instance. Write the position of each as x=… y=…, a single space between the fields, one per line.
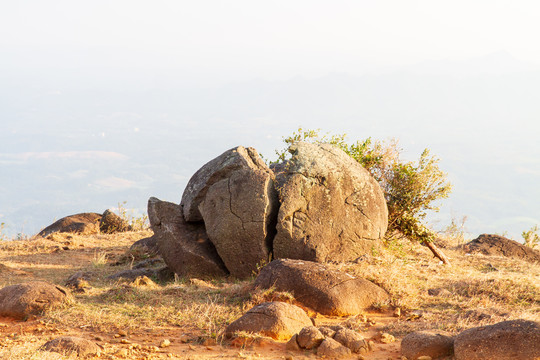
x=531 y=237
x=410 y=188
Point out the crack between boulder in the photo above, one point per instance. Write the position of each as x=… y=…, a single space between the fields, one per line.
x=230 y=204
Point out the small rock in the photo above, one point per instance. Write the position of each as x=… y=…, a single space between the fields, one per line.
x=352 y=340
x=327 y=332
x=332 y=349
x=427 y=343
x=292 y=344
x=397 y=312
x=122 y=332
x=164 y=343
x=125 y=341
x=387 y=338
x=309 y=338
x=71 y=344
x=184 y=338
x=123 y=353
x=425 y=357
x=209 y=342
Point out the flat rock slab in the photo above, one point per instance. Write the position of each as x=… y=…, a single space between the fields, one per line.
x=67 y=345
x=327 y=291
x=496 y=245
x=427 y=343
x=185 y=247
x=332 y=209
x=31 y=298
x=514 y=339
x=277 y=320
x=83 y=223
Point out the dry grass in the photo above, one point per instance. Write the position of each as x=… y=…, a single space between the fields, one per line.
x=474 y=290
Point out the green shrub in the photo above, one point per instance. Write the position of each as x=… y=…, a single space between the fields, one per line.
x=531 y=237
x=410 y=187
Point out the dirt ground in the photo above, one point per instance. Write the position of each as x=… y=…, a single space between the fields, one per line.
x=132 y=321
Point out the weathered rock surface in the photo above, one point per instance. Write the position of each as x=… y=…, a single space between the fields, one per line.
x=309 y=338
x=332 y=349
x=111 y=223
x=185 y=247
x=427 y=343
x=67 y=345
x=32 y=298
x=132 y=274
x=274 y=319
x=514 y=339
x=329 y=292
x=332 y=209
x=84 y=223
x=149 y=244
x=488 y=244
x=215 y=170
x=352 y=340
x=239 y=213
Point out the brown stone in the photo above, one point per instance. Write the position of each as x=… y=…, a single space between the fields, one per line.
x=214 y=171
x=332 y=349
x=327 y=291
x=332 y=209
x=277 y=320
x=111 y=223
x=495 y=245
x=67 y=345
x=239 y=213
x=185 y=247
x=309 y=338
x=84 y=223
x=427 y=343
x=514 y=339
x=32 y=298
x=352 y=340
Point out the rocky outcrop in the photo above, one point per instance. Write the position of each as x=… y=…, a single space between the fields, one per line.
x=277 y=320
x=84 y=224
x=33 y=298
x=185 y=247
x=514 y=339
x=325 y=290
x=67 y=345
x=321 y=206
x=496 y=245
x=331 y=207
x=111 y=223
x=427 y=343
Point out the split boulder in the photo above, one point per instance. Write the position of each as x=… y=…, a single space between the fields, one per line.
x=315 y=285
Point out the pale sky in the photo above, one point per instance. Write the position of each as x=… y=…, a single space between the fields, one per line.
x=246 y=39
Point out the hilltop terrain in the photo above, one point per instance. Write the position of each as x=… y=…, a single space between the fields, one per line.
x=132 y=319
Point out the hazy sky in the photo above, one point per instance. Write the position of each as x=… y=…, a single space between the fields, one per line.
x=103 y=77
x=243 y=39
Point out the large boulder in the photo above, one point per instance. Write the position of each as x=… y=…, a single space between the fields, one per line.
x=185 y=247
x=67 y=345
x=277 y=320
x=332 y=209
x=33 y=298
x=434 y=344
x=496 y=245
x=84 y=224
x=514 y=339
x=215 y=170
x=327 y=291
x=238 y=213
